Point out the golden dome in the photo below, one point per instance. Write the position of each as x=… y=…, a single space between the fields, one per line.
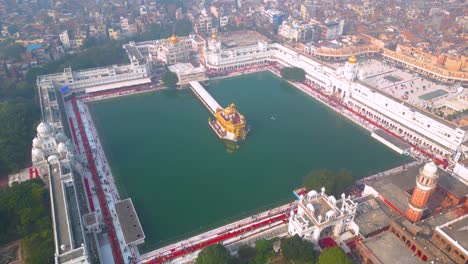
x=173 y=39
x=214 y=36
x=352 y=59
x=231 y=109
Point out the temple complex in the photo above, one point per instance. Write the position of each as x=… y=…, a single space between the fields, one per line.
x=229 y=124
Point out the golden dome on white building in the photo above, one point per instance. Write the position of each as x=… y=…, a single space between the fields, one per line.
x=353 y=59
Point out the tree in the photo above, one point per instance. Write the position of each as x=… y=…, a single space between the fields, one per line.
x=17 y=119
x=26 y=208
x=335 y=183
x=293 y=74
x=332 y=256
x=170 y=79
x=183 y=27
x=264 y=251
x=10 y=50
x=296 y=249
x=215 y=254
x=317 y=179
x=246 y=253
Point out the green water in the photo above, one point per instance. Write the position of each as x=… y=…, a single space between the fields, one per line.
x=183 y=180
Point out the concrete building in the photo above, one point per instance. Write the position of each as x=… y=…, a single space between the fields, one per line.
x=451 y=237
x=204 y=23
x=319 y=215
x=186 y=72
x=124 y=26
x=268 y=21
x=332 y=30
x=223 y=21
x=308 y=10
x=294 y=30
x=461 y=169
x=92 y=80
x=169 y=51
x=52 y=154
x=65 y=39
x=431 y=231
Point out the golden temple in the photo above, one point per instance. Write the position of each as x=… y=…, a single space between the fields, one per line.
x=229 y=123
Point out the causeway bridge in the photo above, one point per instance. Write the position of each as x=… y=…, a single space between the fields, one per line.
x=204 y=96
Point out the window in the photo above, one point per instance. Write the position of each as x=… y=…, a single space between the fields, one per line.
x=448 y=248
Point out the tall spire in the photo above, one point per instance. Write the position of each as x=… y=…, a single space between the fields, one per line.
x=426 y=182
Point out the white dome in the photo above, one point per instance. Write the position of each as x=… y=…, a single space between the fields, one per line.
x=339 y=71
x=44 y=129
x=52 y=159
x=60 y=137
x=430 y=170
x=62 y=147
x=37 y=153
x=36 y=143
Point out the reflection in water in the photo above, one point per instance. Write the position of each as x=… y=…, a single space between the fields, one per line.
x=231 y=146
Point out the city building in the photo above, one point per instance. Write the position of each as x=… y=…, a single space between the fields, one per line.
x=444 y=67
x=65 y=39
x=92 y=80
x=268 y=21
x=169 y=51
x=332 y=30
x=52 y=154
x=431 y=231
x=308 y=10
x=294 y=30
x=320 y=215
x=124 y=26
x=186 y=72
x=204 y=23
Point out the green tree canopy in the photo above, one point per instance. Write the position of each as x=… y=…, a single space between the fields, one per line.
x=293 y=74
x=215 y=254
x=26 y=211
x=170 y=79
x=246 y=253
x=17 y=120
x=264 y=251
x=10 y=50
x=183 y=27
x=297 y=249
x=333 y=256
x=335 y=183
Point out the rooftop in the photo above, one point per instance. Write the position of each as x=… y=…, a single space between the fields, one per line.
x=370 y=217
x=395 y=141
x=394 y=187
x=241 y=38
x=387 y=248
x=458 y=230
x=129 y=222
x=185 y=68
x=61 y=218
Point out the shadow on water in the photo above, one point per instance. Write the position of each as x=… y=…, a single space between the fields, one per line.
x=287 y=87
